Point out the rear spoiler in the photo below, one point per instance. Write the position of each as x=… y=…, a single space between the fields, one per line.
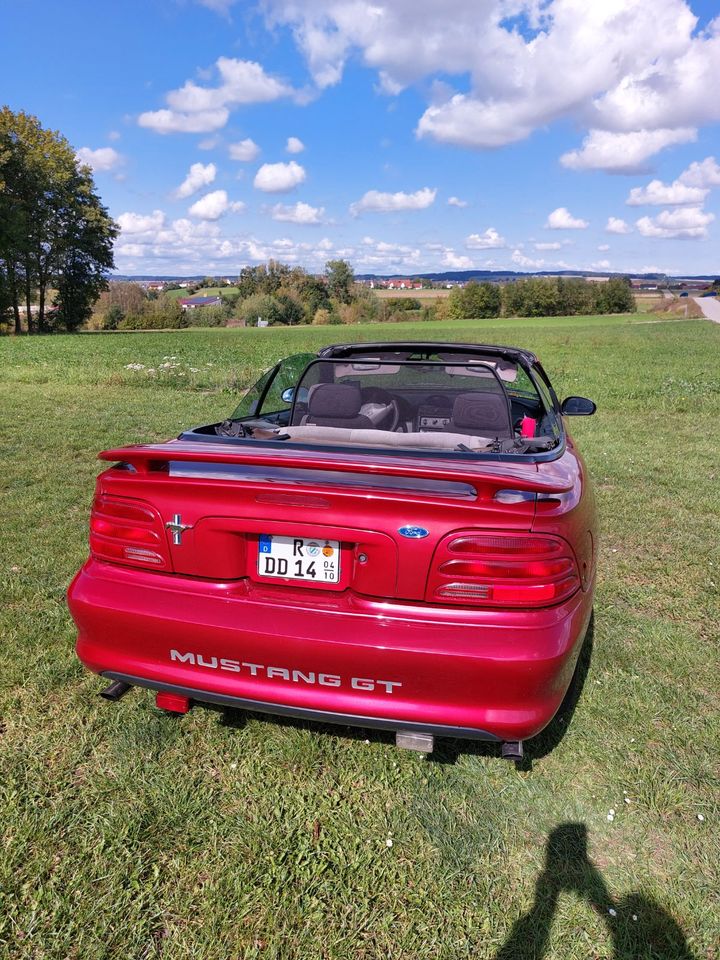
x=151 y=458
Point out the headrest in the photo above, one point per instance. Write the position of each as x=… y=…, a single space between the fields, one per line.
x=336 y=400
x=482 y=411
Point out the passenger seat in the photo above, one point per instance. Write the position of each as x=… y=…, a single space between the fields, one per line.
x=482 y=414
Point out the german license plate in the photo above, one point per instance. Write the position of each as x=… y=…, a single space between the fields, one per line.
x=298 y=558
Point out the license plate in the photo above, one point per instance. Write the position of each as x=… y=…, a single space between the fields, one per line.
x=298 y=558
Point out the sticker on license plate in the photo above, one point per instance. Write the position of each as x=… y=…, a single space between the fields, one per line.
x=299 y=558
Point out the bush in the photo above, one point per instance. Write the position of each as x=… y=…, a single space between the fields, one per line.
x=259 y=305
x=154 y=321
x=113 y=317
x=324 y=317
x=475 y=301
x=208 y=317
x=291 y=310
x=403 y=303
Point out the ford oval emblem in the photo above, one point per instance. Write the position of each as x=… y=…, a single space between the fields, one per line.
x=413 y=533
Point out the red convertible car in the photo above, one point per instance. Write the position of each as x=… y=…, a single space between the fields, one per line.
x=395 y=535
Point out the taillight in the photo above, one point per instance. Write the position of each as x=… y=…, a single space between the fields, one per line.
x=129 y=532
x=502 y=570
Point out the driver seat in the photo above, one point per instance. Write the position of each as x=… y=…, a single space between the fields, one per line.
x=336 y=405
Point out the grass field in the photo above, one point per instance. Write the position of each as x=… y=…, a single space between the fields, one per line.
x=131 y=834
x=431 y=294
x=203 y=292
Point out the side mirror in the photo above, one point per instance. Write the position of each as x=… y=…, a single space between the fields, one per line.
x=287 y=395
x=577 y=407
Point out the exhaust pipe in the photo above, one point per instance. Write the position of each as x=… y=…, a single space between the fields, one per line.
x=116 y=690
x=512 y=750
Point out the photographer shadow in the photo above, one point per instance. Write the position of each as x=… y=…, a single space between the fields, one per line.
x=640 y=929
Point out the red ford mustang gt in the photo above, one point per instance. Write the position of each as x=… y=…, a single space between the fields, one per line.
x=395 y=535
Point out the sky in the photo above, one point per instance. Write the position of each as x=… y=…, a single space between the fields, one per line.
x=403 y=135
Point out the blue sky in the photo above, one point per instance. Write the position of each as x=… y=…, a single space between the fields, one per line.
x=404 y=136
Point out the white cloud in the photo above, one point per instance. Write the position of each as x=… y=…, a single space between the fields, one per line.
x=279 y=177
x=114 y=135
x=129 y=249
x=102 y=159
x=198 y=176
x=600 y=265
x=208 y=143
x=704 y=174
x=623 y=152
x=521 y=260
x=294 y=145
x=456 y=261
x=548 y=246
x=457 y=202
x=616 y=225
x=376 y=201
x=490 y=239
x=687 y=223
x=140 y=222
x=602 y=247
x=299 y=212
x=172 y=121
x=658 y=194
x=562 y=219
x=197 y=109
x=213 y=205
x=245 y=150
x=623 y=67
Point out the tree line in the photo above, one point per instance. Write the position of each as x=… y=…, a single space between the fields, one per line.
x=278 y=294
x=55 y=234
x=541 y=297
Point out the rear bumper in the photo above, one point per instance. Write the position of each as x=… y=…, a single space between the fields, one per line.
x=298 y=713
x=332 y=657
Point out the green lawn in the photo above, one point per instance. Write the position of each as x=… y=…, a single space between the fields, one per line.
x=203 y=292
x=130 y=834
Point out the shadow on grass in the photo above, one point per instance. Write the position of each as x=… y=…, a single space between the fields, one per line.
x=448 y=750
x=640 y=929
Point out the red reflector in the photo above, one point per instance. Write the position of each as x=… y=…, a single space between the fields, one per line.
x=503 y=570
x=509 y=571
x=129 y=532
x=504 y=545
x=172 y=702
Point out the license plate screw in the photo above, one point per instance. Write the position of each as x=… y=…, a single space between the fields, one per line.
x=362 y=558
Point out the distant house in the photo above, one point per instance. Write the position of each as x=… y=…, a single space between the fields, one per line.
x=157 y=285
x=190 y=303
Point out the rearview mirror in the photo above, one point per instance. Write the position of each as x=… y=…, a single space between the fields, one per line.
x=577 y=407
x=287 y=396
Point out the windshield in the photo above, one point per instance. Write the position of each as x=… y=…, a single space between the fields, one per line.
x=451 y=403
x=400 y=401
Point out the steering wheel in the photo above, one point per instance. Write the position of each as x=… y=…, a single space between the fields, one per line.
x=378 y=395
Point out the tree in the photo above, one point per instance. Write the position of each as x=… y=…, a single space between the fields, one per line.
x=260 y=306
x=291 y=310
x=615 y=296
x=475 y=301
x=54 y=231
x=482 y=300
x=340 y=278
x=113 y=317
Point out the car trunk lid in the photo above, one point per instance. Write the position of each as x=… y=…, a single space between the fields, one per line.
x=387 y=513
